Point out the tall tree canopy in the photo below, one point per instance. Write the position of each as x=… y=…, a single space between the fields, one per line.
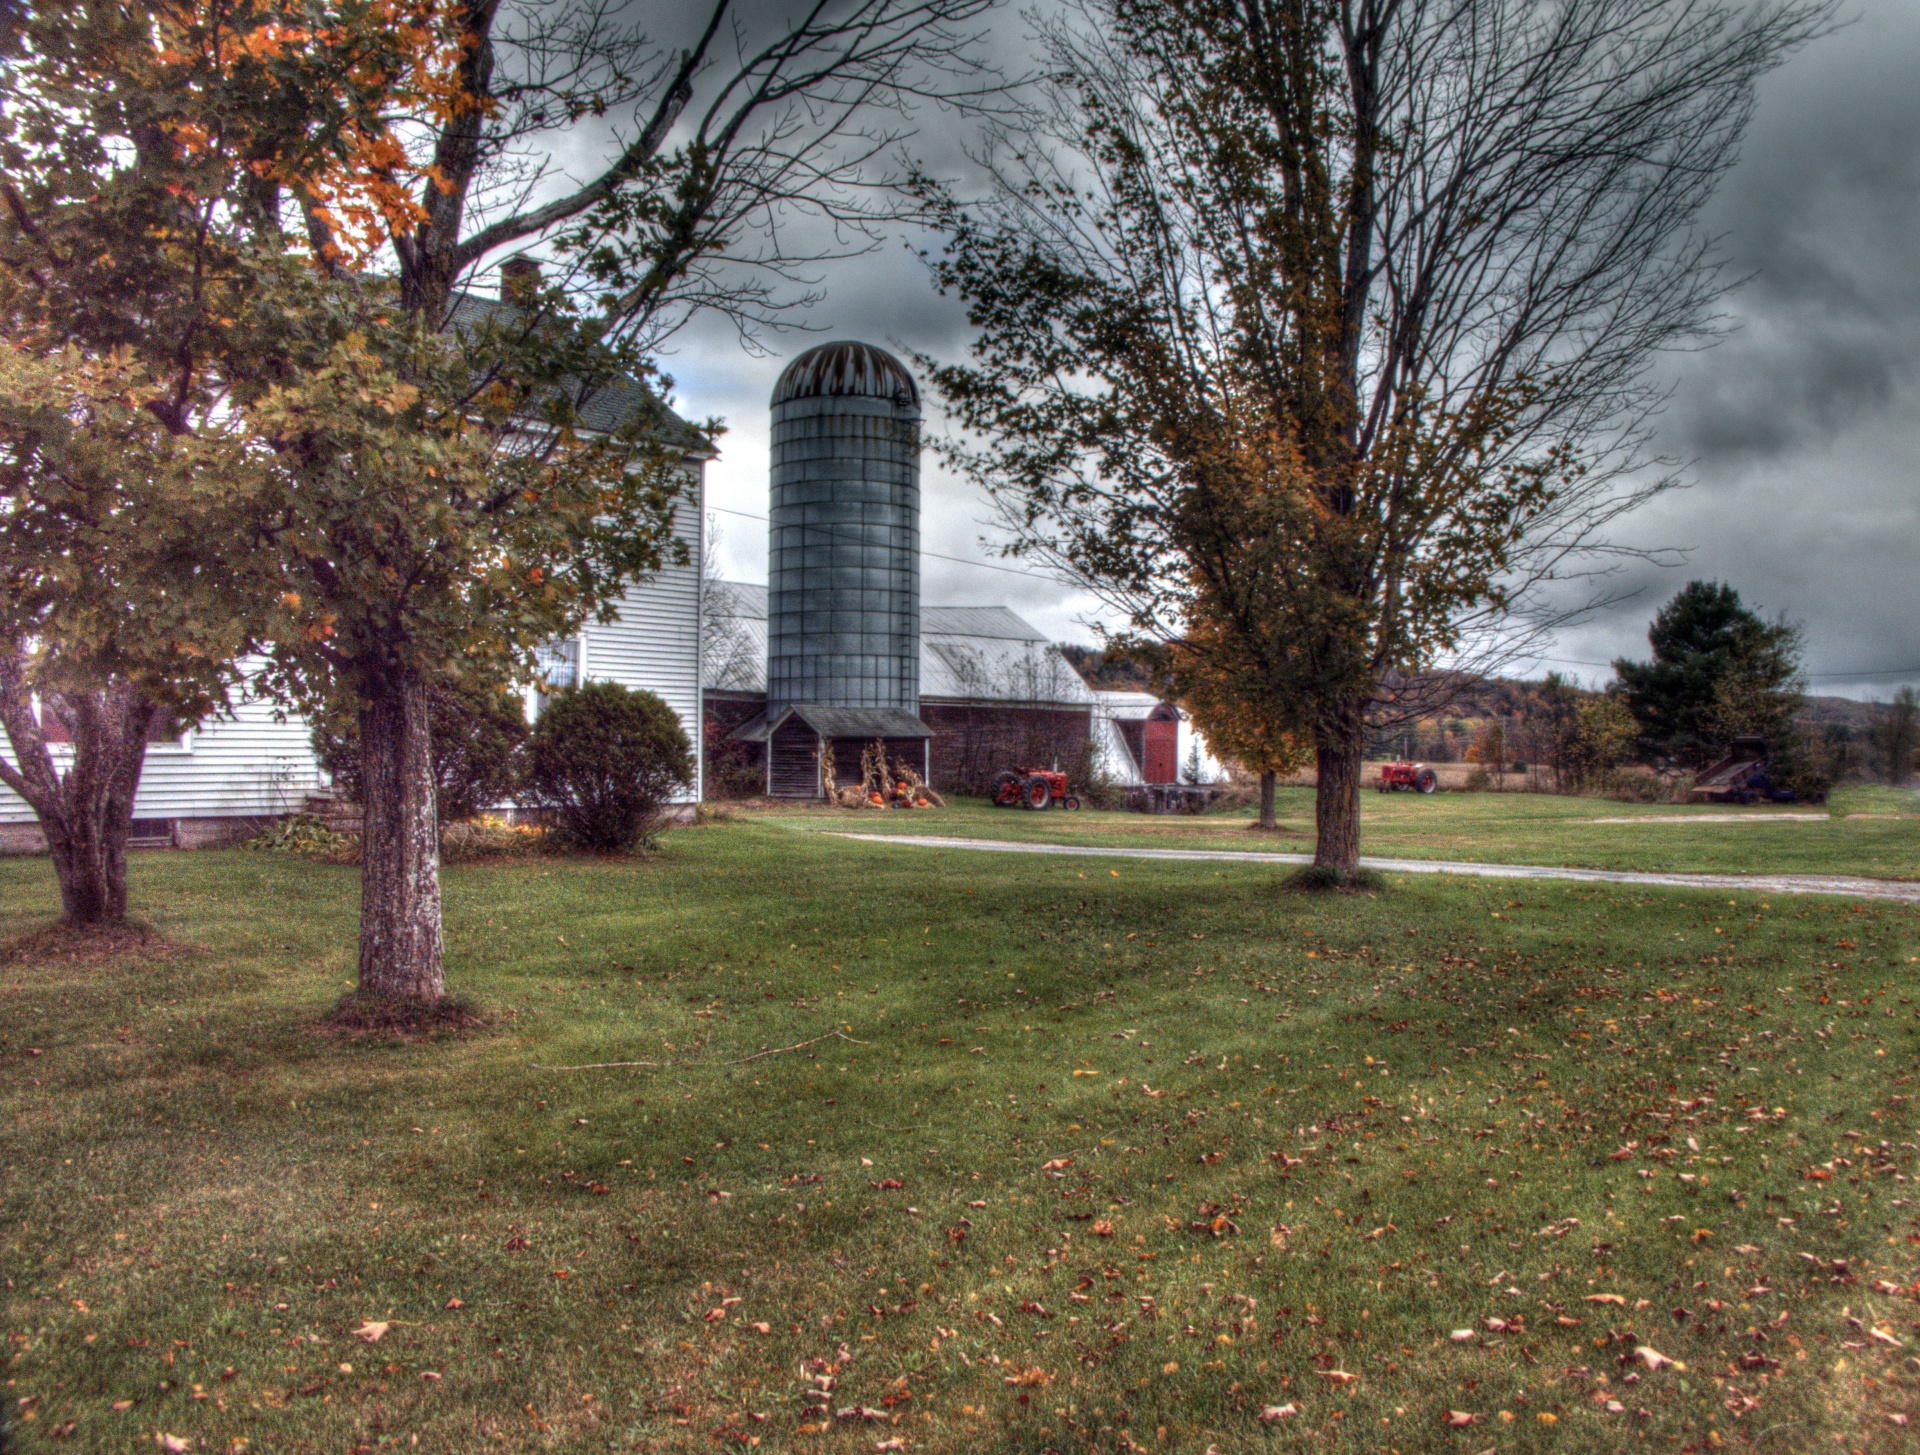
x=142 y=150
x=1332 y=324
x=271 y=205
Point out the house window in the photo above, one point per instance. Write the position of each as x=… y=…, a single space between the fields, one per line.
x=165 y=731
x=559 y=667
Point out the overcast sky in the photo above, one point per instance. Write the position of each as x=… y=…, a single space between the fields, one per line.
x=1802 y=428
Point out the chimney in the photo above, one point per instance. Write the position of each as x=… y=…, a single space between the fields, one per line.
x=519 y=279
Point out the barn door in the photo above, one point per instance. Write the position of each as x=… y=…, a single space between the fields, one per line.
x=793 y=759
x=1163 y=751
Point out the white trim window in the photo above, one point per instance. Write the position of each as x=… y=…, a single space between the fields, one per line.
x=558 y=664
x=164 y=735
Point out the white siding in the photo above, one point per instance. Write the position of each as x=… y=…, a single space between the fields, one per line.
x=249 y=762
x=242 y=763
x=655 y=644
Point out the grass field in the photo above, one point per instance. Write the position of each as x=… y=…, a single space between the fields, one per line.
x=1868 y=831
x=1070 y=1157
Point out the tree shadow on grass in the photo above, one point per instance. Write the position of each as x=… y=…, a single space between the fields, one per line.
x=130 y=942
x=358 y=1016
x=1326 y=879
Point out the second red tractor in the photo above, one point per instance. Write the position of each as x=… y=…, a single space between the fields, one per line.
x=1034 y=788
x=1407 y=778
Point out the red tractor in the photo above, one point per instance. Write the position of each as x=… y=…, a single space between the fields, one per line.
x=1034 y=788
x=1406 y=778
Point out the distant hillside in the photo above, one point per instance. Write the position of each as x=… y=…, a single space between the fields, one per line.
x=1861 y=717
x=1471 y=699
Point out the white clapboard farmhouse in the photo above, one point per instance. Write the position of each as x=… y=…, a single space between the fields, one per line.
x=257 y=760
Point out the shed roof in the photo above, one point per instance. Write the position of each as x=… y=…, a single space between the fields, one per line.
x=836 y=722
x=1131 y=706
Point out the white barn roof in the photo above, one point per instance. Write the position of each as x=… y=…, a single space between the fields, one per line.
x=967 y=653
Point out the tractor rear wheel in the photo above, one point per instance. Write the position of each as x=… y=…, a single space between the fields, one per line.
x=1006 y=790
x=1036 y=792
x=1425 y=780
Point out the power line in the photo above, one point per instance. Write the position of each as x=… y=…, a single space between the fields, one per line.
x=1811 y=676
x=957 y=560
x=1562 y=661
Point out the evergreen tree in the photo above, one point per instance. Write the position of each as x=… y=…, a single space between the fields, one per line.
x=1718 y=671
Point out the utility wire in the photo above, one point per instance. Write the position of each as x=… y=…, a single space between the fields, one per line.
x=957 y=560
x=1811 y=676
x=1561 y=661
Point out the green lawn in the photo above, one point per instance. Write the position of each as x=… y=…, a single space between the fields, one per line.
x=1873 y=832
x=1080 y=1157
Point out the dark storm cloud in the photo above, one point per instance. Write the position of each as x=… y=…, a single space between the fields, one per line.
x=1822 y=215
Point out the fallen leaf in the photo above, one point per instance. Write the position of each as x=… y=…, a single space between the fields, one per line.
x=1102 y=1228
x=1885 y=1336
x=172 y=1444
x=1338 y=1376
x=896 y=1443
x=763 y=1328
x=1461 y=1336
x=1612 y=1298
x=454 y=1303
x=1654 y=1359
x=1274 y=1413
x=371 y=1330
x=1460 y=1419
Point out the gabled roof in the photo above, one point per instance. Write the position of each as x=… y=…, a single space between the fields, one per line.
x=605 y=408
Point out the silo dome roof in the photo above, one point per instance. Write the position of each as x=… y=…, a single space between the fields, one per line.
x=847 y=368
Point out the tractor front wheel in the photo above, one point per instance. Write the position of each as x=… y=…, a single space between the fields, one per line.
x=1036 y=793
x=1006 y=790
x=1071 y=802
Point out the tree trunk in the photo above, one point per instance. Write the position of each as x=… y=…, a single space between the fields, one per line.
x=1267 y=819
x=1336 y=794
x=399 y=846
x=86 y=812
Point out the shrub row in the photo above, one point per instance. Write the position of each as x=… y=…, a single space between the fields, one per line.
x=602 y=764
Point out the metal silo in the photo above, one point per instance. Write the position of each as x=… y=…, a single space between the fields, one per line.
x=843 y=565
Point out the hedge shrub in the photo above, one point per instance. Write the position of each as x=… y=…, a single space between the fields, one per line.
x=478 y=731
x=604 y=763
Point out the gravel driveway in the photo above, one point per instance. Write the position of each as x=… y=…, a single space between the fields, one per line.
x=1849 y=886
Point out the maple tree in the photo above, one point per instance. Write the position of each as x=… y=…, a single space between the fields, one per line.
x=466 y=513
x=140 y=153
x=1333 y=324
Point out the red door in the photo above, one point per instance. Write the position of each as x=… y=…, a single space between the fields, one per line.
x=1163 y=748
